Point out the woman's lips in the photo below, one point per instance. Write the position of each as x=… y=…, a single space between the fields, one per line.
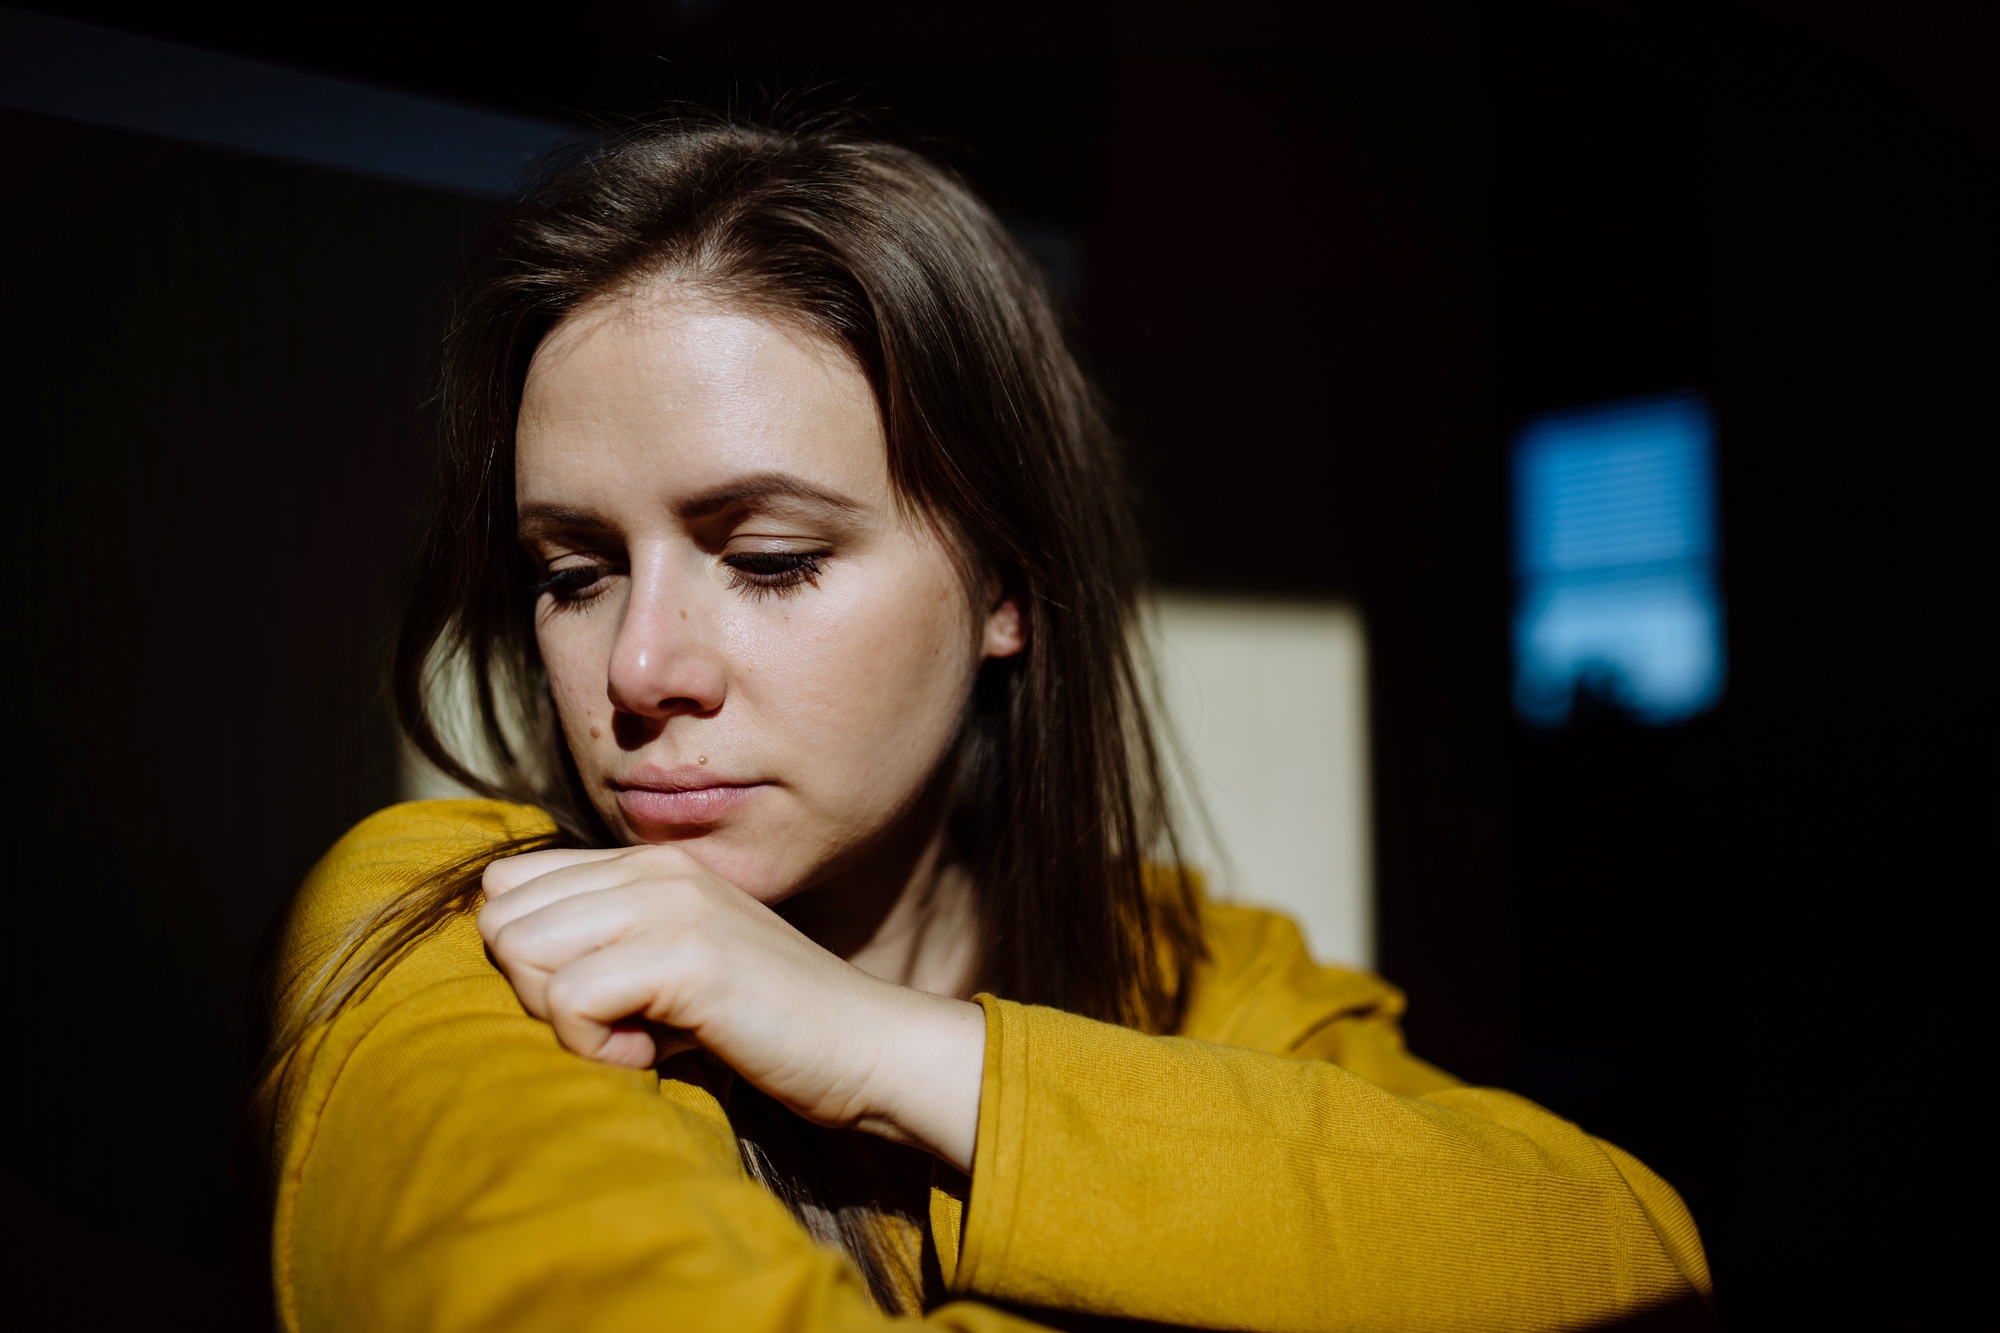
x=672 y=806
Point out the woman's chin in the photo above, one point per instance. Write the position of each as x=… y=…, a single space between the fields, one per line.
x=736 y=853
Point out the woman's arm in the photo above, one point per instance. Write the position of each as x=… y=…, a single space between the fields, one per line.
x=594 y=939
x=1188 y=1182
x=443 y=1164
x=1121 y=1174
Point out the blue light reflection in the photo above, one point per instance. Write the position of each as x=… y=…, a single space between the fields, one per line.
x=1615 y=561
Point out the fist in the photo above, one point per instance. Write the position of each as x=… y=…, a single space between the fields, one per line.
x=611 y=947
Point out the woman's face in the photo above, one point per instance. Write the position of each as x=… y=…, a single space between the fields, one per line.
x=752 y=647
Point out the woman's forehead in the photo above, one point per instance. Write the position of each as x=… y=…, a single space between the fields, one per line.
x=676 y=397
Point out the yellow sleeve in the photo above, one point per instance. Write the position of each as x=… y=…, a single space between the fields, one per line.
x=443 y=1164
x=1194 y=1182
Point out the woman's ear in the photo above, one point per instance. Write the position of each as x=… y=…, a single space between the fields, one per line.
x=1006 y=634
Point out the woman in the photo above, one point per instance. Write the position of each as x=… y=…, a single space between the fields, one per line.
x=805 y=963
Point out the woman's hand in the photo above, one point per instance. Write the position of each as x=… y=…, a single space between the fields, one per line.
x=595 y=941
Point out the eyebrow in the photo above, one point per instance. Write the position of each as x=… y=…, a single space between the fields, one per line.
x=558 y=518
x=761 y=486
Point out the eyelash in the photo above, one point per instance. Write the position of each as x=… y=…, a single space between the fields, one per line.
x=567 y=585
x=758 y=573
x=793 y=570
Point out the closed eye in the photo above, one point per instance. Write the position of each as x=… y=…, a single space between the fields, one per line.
x=762 y=573
x=575 y=585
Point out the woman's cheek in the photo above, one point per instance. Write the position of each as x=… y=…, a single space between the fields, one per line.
x=577 y=667
x=861 y=698
x=912 y=666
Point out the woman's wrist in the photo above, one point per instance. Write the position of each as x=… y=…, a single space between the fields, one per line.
x=925 y=1087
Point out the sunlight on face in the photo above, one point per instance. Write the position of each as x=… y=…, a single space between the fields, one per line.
x=750 y=647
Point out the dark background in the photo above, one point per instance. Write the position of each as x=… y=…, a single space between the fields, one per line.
x=1325 y=259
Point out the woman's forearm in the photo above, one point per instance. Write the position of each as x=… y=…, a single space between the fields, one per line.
x=1192 y=1183
x=442 y=1164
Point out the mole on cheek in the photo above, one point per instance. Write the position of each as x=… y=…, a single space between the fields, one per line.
x=595 y=732
x=684 y=615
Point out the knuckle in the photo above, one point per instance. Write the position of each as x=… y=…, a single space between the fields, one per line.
x=566 y=993
x=511 y=942
x=559 y=993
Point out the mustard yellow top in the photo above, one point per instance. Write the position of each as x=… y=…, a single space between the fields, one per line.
x=441 y=1163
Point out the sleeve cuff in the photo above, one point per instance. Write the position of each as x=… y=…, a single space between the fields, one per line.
x=981 y=1233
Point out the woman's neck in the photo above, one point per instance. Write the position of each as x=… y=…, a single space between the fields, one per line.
x=929 y=939
x=908 y=915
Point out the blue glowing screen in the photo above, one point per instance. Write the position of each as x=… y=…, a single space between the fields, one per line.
x=1615 y=561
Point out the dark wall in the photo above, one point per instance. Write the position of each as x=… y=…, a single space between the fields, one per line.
x=1703 y=917
x=1287 y=287
x=1852 y=280
x=211 y=371
x=1327 y=265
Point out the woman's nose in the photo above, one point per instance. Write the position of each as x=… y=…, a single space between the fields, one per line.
x=665 y=661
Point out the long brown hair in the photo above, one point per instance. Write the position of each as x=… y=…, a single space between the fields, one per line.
x=993 y=431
